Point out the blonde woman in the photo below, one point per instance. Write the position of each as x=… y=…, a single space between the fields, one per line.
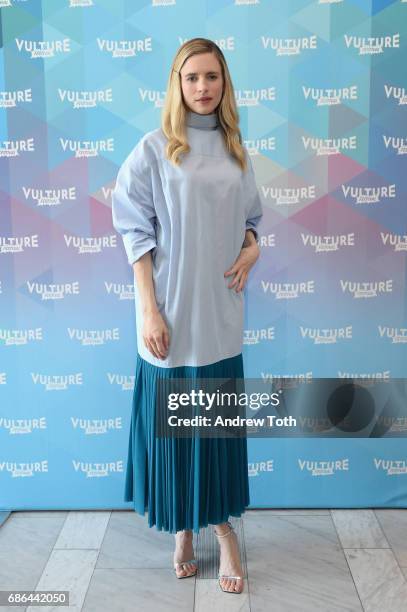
x=187 y=207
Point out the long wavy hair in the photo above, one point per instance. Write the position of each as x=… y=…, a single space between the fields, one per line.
x=174 y=112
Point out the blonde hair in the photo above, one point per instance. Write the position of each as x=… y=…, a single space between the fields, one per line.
x=175 y=112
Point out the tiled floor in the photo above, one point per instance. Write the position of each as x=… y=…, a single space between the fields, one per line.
x=296 y=561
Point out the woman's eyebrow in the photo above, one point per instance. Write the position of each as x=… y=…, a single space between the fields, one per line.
x=195 y=73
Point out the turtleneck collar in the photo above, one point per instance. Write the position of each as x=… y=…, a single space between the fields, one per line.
x=202 y=122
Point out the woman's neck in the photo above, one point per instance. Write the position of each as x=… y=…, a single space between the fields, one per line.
x=202 y=122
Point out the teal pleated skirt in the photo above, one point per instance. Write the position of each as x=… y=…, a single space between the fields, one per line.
x=183 y=483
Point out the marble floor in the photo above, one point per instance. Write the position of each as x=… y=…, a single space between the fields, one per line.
x=295 y=561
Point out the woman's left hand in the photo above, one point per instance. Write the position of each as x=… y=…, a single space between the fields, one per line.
x=241 y=268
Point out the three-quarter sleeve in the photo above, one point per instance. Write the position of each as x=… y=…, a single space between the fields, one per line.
x=253 y=201
x=133 y=212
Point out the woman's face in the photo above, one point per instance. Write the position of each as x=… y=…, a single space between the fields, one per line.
x=202 y=83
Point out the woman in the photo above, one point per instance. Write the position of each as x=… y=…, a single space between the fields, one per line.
x=187 y=207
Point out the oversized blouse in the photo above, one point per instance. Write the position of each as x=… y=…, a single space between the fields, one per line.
x=193 y=218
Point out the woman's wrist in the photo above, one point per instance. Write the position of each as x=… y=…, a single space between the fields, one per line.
x=150 y=310
x=250 y=238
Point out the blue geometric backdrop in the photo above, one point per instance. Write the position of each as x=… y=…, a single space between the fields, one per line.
x=321 y=93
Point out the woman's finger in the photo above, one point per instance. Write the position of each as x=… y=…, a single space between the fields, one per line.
x=162 y=346
x=151 y=348
x=146 y=343
x=156 y=342
x=166 y=340
x=230 y=271
x=236 y=279
x=242 y=281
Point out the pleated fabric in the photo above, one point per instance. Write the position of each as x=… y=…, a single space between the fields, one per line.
x=183 y=483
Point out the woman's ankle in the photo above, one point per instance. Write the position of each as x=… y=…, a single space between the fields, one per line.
x=222 y=528
x=186 y=533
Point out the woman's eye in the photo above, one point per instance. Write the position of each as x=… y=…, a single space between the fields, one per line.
x=212 y=77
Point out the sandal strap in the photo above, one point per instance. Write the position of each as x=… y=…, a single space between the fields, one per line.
x=223 y=535
x=178 y=563
x=231 y=577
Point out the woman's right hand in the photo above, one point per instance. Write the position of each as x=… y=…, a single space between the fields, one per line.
x=155 y=334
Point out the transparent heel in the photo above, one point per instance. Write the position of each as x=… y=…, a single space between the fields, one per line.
x=223 y=576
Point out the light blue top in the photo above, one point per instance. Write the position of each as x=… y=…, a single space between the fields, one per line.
x=193 y=217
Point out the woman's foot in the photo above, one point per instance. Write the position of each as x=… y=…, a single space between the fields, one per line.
x=229 y=559
x=183 y=554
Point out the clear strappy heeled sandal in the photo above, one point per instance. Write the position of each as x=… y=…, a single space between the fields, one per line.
x=178 y=565
x=222 y=576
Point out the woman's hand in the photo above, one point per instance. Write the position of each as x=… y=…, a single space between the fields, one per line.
x=241 y=268
x=155 y=334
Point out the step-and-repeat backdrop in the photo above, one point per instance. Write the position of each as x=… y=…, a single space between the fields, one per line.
x=321 y=93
